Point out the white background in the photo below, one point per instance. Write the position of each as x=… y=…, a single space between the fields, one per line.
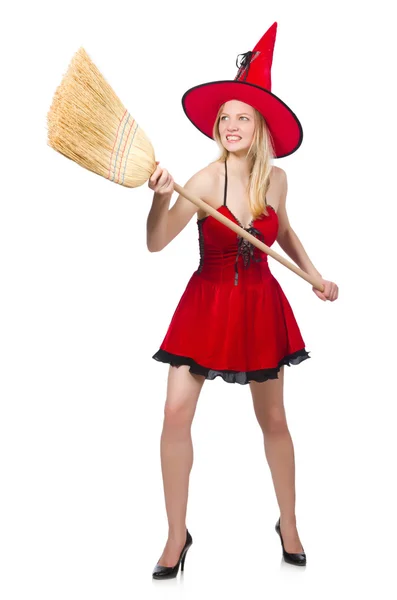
x=85 y=305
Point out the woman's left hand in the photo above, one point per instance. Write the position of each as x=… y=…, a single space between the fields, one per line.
x=330 y=290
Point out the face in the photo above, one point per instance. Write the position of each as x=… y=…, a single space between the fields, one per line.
x=237 y=119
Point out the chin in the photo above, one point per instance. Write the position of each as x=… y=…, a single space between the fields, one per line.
x=239 y=149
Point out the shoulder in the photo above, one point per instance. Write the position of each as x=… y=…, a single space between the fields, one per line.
x=278 y=173
x=210 y=173
x=278 y=178
x=204 y=178
x=205 y=182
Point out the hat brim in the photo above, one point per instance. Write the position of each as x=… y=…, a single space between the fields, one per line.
x=201 y=104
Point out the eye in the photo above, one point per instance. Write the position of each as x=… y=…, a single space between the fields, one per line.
x=242 y=117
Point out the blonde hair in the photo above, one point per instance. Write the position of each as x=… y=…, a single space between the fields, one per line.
x=260 y=155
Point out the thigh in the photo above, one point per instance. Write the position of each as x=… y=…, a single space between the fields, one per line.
x=268 y=399
x=183 y=390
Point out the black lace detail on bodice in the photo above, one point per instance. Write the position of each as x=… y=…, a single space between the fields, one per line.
x=247 y=250
x=201 y=245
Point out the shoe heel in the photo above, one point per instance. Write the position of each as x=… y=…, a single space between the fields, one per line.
x=183 y=558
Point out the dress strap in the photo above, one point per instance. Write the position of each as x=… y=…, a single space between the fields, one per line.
x=225 y=192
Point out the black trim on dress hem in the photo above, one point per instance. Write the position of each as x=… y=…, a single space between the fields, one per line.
x=241 y=377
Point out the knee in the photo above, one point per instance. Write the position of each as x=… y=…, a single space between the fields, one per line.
x=177 y=416
x=275 y=424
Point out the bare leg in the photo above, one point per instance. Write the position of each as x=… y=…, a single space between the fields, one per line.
x=279 y=450
x=183 y=391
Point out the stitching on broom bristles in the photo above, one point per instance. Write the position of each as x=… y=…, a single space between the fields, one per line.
x=118 y=149
x=126 y=158
x=121 y=160
x=117 y=135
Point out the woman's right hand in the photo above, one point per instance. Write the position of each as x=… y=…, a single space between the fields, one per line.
x=161 y=182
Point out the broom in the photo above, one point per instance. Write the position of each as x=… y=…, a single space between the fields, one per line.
x=88 y=124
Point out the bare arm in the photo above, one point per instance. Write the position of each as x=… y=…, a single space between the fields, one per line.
x=164 y=224
x=287 y=238
x=157 y=221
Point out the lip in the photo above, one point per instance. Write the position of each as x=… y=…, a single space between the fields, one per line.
x=233 y=141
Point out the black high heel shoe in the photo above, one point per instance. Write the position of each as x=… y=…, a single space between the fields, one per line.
x=298 y=558
x=161 y=572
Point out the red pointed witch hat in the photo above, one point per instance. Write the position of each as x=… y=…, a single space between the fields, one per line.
x=251 y=85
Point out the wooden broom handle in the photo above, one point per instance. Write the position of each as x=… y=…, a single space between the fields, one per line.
x=243 y=233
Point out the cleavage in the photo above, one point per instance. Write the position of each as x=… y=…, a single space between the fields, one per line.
x=238 y=220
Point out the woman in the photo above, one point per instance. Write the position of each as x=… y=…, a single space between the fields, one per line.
x=233 y=319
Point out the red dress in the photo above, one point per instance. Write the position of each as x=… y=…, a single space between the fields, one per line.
x=233 y=319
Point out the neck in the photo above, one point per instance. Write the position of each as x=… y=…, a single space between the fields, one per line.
x=238 y=165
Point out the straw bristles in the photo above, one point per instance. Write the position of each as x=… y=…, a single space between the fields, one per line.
x=88 y=123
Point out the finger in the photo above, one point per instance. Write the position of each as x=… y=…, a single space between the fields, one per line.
x=163 y=178
x=164 y=183
x=155 y=175
x=169 y=184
